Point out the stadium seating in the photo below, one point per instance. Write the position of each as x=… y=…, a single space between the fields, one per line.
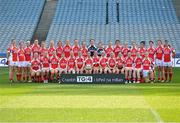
x=18 y=19
x=138 y=20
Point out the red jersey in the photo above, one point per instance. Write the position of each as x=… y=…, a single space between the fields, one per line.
x=63 y=63
x=14 y=53
x=108 y=51
x=79 y=62
x=167 y=54
x=125 y=51
x=111 y=62
x=96 y=61
x=134 y=51
x=59 y=51
x=27 y=53
x=142 y=51
x=75 y=50
x=117 y=50
x=50 y=51
x=71 y=62
x=21 y=55
x=103 y=62
x=67 y=49
x=151 y=51
x=45 y=62
x=35 y=64
x=159 y=52
x=42 y=50
x=146 y=64
x=84 y=52
x=89 y=61
x=129 y=62
x=54 y=62
x=138 y=63
x=120 y=62
x=35 y=48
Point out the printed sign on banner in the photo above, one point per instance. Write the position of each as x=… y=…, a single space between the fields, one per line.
x=177 y=62
x=3 y=62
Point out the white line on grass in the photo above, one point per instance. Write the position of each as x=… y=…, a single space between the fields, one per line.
x=156 y=115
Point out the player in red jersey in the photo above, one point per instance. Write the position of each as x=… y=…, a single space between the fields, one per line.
x=151 y=50
x=27 y=53
x=117 y=48
x=125 y=50
x=71 y=63
x=21 y=63
x=59 y=49
x=109 y=49
x=103 y=63
x=133 y=50
x=67 y=49
x=43 y=48
x=142 y=49
x=159 y=60
x=95 y=62
x=12 y=57
x=111 y=64
x=120 y=64
x=147 y=72
x=51 y=48
x=45 y=66
x=167 y=61
x=128 y=67
x=88 y=64
x=63 y=64
x=80 y=63
x=76 y=48
x=35 y=47
x=84 y=50
x=35 y=68
x=137 y=68
x=54 y=66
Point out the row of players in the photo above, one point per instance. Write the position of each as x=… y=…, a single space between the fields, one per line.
x=43 y=64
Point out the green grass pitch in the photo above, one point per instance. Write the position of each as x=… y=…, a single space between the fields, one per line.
x=31 y=102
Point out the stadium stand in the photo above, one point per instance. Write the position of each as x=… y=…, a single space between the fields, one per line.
x=105 y=20
x=19 y=19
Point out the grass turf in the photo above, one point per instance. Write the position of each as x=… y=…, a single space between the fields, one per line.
x=32 y=102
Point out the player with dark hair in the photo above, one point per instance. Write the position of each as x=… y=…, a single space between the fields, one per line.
x=92 y=47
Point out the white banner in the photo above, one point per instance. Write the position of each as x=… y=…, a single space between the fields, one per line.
x=176 y=62
x=3 y=62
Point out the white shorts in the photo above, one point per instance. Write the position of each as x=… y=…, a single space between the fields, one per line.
x=36 y=70
x=21 y=64
x=13 y=63
x=53 y=68
x=44 y=69
x=27 y=64
x=138 y=69
x=129 y=68
x=168 y=64
x=159 y=62
x=145 y=73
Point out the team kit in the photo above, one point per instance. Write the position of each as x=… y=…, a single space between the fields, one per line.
x=36 y=63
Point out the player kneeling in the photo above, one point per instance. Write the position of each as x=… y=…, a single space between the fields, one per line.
x=35 y=68
x=120 y=64
x=147 y=71
x=54 y=66
x=137 y=68
x=111 y=64
x=95 y=63
x=128 y=67
x=79 y=63
x=45 y=67
x=71 y=63
x=88 y=64
x=103 y=63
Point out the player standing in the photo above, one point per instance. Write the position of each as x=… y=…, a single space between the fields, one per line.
x=95 y=63
x=76 y=48
x=117 y=48
x=137 y=68
x=35 y=47
x=43 y=48
x=167 y=61
x=142 y=49
x=45 y=67
x=111 y=63
x=159 y=60
x=51 y=48
x=100 y=48
x=109 y=49
x=67 y=49
x=103 y=63
x=59 y=49
x=128 y=67
x=84 y=50
x=125 y=50
x=89 y=64
x=134 y=50
x=120 y=64
x=92 y=47
x=71 y=63
x=54 y=66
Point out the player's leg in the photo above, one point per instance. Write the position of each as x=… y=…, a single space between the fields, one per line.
x=126 y=74
x=134 y=75
x=138 y=75
x=32 y=75
x=170 y=73
x=130 y=74
x=52 y=74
